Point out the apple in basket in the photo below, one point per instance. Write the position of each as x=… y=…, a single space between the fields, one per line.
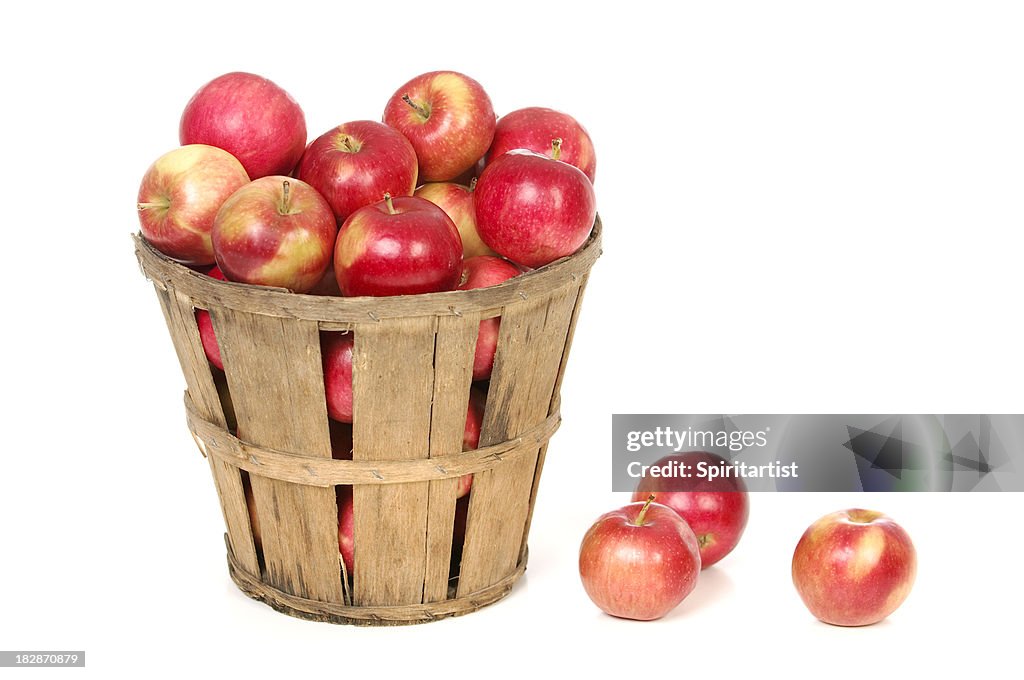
x=179 y=197
x=534 y=209
x=457 y=202
x=356 y=163
x=448 y=118
x=534 y=127
x=205 y=323
x=251 y=118
x=481 y=272
x=275 y=231
x=399 y=246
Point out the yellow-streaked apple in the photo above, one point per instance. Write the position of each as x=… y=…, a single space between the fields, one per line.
x=854 y=567
x=457 y=201
x=275 y=231
x=179 y=197
x=448 y=118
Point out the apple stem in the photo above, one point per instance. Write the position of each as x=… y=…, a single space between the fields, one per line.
x=556 y=148
x=472 y=184
x=423 y=112
x=639 y=521
x=391 y=206
x=286 y=188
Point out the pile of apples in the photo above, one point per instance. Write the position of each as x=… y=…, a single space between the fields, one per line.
x=441 y=195
x=851 y=568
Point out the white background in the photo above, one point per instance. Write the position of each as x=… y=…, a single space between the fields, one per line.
x=809 y=207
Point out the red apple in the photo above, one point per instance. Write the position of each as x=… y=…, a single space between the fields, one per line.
x=471 y=434
x=449 y=120
x=179 y=197
x=275 y=231
x=640 y=561
x=205 y=323
x=356 y=163
x=336 y=356
x=534 y=127
x=457 y=202
x=252 y=118
x=346 y=527
x=533 y=209
x=854 y=567
x=481 y=272
x=716 y=509
x=400 y=246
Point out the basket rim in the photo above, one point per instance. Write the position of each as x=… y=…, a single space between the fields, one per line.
x=206 y=292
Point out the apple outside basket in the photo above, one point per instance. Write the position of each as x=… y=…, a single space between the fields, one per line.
x=412 y=371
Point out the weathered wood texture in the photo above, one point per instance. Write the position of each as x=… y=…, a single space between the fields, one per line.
x=275 y=378
x=392 y=387
x=530 y=346
x=453 y=376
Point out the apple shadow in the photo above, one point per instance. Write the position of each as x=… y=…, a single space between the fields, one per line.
x=712 y=585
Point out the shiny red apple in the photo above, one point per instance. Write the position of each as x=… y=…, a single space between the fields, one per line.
x=179 y=197
x=275 y=231
x=640 y=561
x=336 y=357
x=534 y=127
x=533 y=209
x=481 y=272
x=457 y=202
x=250 y=117
x=449 y=120
x=716 y=509
x=356 y=163
x=205 y=323
x=854 y=567
x=398 y=246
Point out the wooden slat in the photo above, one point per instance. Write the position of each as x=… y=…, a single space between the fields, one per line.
x=530 y=348
x=556 y=398
x=392 y=383
x=275 y=378
x=181 y=323
x=453 y=375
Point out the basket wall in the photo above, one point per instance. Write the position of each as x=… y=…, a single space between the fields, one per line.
x=265 y=419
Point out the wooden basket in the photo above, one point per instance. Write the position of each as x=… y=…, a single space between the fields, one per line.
x=412 y=371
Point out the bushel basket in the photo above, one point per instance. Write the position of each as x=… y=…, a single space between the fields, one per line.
x=263 y=426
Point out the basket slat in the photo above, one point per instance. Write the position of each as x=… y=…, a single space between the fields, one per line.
x=276 y=382
x=556 y=397
x=392 y=386
x=453 y=375
x=181 y=322
x=531 y=343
